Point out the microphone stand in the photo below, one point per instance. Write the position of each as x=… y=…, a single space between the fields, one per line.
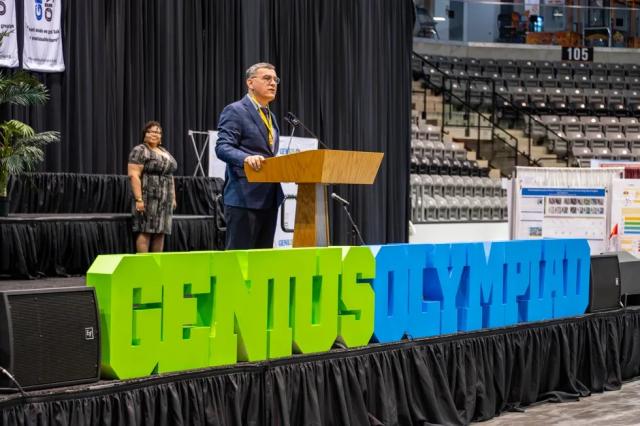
x=355 y=231
x=293 y=131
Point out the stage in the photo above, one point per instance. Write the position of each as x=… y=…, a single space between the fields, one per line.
x=449 y=379
x=37 y=245
x=60 y=222
x=452 y=379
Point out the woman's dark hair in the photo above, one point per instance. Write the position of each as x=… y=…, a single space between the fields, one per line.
x=147 y=126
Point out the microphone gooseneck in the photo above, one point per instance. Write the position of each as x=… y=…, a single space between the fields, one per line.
x=293 y=130
x=295 y=121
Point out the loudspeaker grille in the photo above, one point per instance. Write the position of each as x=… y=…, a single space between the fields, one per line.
x=52 y=337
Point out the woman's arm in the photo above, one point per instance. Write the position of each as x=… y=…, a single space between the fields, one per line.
x=173 y=188
x=135 y=172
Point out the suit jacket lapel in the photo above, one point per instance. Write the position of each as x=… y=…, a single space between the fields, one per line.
x=255 y=116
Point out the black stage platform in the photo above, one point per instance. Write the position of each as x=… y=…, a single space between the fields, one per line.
x=60 y=222
x=445 y=380
x=56 y=282
x=88 y=193
x=37 y=245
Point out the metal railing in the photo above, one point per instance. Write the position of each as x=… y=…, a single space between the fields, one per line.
x=509 y=141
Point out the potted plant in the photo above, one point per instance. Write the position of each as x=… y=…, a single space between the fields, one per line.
x=21 y=148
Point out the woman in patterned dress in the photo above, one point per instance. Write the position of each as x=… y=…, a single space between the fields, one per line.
x=151 y=169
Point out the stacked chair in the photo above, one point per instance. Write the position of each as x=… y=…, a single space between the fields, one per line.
x=436 y=198
x=589 y=136
x=446 y=187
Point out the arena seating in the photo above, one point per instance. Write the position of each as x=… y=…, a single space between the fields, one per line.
x=586 y=110
x=620 y=135
x=542 y=74
x=436 y=198
x=430 y=155
x=445 y=186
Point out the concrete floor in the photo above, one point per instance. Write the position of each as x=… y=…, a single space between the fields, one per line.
x=616 y=408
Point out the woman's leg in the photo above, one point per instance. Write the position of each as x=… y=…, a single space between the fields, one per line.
x=157 y=242
x=142 y=242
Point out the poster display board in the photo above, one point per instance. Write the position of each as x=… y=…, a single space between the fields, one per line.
x=563 y=202
x=287 y=211
x=564 y=213
x=216 y=165
x=625 y=215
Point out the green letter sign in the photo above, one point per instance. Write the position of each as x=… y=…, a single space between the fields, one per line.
x=177 y=311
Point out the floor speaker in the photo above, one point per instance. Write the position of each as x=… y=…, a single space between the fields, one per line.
x=49 y=337
x=629 y=278
x=605 y=283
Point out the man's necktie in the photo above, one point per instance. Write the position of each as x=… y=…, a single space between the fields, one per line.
x=267 y=121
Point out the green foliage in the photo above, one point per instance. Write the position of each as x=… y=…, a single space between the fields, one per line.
x=21 y=148
x=22 y=89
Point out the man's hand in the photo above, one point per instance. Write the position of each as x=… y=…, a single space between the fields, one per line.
x=254 y=161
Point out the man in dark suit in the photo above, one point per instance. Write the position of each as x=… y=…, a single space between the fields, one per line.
x=247 y=134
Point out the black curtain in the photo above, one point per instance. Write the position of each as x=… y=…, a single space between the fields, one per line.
x=74 y=193
x=345 y=68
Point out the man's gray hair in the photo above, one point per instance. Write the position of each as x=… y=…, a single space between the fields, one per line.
x=253 y=69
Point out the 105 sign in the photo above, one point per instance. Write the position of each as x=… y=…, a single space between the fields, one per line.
x=577 y=54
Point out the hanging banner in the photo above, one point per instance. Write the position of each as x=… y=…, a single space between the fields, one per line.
x=42 y=36
x=9 y=43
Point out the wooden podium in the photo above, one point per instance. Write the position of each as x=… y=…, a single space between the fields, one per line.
x=313 y=171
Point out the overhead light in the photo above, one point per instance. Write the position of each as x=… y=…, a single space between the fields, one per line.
x=438 y=18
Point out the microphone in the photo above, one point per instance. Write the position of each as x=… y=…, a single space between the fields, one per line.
x=295 y=121
x=339 y=199
x=292 y=119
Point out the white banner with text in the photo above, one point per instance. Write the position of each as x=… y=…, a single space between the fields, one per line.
x=9 y=34
x=42 y=36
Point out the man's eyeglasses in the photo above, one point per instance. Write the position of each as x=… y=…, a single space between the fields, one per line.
x=268 y=79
